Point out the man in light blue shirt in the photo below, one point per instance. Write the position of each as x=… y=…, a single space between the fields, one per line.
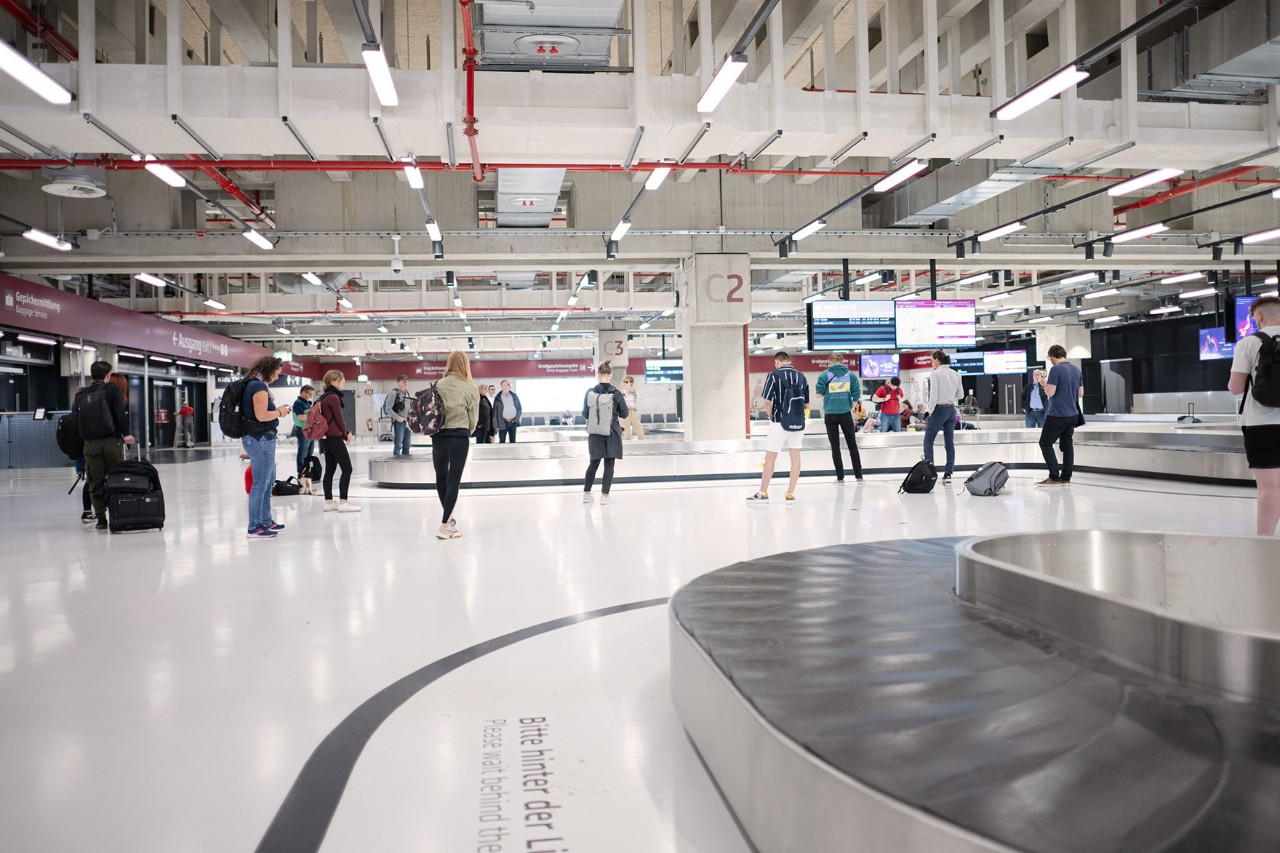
x=1033 y=400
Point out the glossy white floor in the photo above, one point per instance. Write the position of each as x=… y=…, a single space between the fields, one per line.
x=162 y=691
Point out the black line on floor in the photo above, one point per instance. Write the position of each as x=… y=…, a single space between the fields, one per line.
x=303 y=818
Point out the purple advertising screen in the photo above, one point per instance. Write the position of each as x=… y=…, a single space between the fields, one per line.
x=1214 y=344
x=879 y=366
x=1244 y=323
x=927 y=323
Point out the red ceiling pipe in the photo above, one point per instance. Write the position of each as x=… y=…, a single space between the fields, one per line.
x=38 y=27
x=229 y=186
x=469 y=120
x=1186 y=188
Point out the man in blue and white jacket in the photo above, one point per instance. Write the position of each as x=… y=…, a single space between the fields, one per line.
x=786 y=401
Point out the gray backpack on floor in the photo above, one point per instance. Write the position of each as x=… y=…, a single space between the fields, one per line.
x=988 y=480
x=599 y=413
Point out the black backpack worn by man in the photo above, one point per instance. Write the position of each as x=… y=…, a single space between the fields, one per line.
x=104 y=426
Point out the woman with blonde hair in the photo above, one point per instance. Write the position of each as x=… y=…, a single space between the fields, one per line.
x=334 y=444
x=449 y=446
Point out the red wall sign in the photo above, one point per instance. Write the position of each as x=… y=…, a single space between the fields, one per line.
x=915 y=361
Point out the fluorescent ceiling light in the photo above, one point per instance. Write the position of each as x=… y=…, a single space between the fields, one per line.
x=813 y=227
x=1260 y=236
x=331 y=348
x=1112 y=319
x=215 y=304
x=466 y=327
x=1107 y=292
x=35 y=235
x=1076 y=279
x=380 y=75
x=1088 y=311
x=414 y=174
x=207 y=367
x=1041 y=92
x=313 y=278
x=383 y=329
x=995 y=297
x=1144 y=180
x=563 y=314
x=1001 y=231
x=1139 y=233
x=867 y=279
x=164 y=173
x=900 y=175
x=656 y=177
x=1165 y=309
x=1272 y=280
x=555 y=327
x=282 y=330
x=973 y=279
x=433 y=231
x=1006 y=312
x=457 y=300
x=162 y=359
x=224 y=370
x=364 y=317
x=344 y=302
x=186 y=363
x=1198 y=294
x=668 y=312
x=646 y=324
x=729 y=72
x=86 y=347
x=814 y=298
x=151 y=279
x=1041 y=319
x=257 y=239
x=21 y=69
x=313 y=343
x=35 y=339
x=573 y=300
x=124 y=354
x=618 y=233
x=1181 y=277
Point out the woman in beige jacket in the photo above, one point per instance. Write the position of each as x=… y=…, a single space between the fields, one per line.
x=450 y=445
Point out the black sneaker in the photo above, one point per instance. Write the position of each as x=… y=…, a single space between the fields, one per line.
x=946 y=478
x=87 y=516
x=102 y=524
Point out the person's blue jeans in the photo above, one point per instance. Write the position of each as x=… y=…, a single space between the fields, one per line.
x=890 y=423
x=262 y=456
x=941 y=418
x=1035 y=418
x=305 y=448
x=507 y=430
x=401 y=436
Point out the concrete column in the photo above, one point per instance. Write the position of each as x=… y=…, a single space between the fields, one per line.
x=612 y=346
x=389 y=32
x=714 y=309
x=889 y=28
x=1128 y=76
x=141 y=32
x=679 y=49
x=313 y=32
x=173 y=55
x=87 y=77
x=999 y=85
x=215 y=40
x=862 y=63
x=706 y=53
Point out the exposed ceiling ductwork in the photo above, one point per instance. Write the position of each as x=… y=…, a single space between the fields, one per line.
x=570 y=35
x=528 y=198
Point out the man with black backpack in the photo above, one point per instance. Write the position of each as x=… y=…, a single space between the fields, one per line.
x=1255 y=373
x=104 y=426
x=786 y=401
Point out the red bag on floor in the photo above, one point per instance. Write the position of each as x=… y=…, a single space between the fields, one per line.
x=248 y=479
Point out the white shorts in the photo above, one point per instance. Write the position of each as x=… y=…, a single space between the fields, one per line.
x=779 y=438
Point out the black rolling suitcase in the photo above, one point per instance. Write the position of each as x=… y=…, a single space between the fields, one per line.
x=135 y=500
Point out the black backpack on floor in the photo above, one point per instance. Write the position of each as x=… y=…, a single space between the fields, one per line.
x=920 y=479
x=287 y=488
x=311 y=468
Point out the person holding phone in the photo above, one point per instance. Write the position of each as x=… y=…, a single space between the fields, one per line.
x=261 y=420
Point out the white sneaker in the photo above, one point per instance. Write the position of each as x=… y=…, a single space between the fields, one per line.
x=604 y=499
x=586 y=497
x=330 y=506
x=345 y=506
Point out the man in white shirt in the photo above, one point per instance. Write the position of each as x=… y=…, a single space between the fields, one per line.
x=1260 y=423
x=945 y=389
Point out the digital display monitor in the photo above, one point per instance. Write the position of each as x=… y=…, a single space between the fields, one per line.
x=1214 y=344
x=1005 y=361
x=968 y=363
x=879 y=366
x=838 y=324
x=1244 y=323
x=663 y=371
x=928 y=323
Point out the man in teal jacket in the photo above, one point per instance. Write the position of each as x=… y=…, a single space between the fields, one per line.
x=839 y=390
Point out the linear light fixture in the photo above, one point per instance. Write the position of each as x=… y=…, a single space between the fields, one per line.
x=344 y=302
x=1112 y=319
x=1275 y=193
x=973 y=279
x=1139 y=233
x=1198 y=294
x=257 y=239
x=1110 y=291
x=820 y=295
x=457 y=300
x=996 y=297
x=812 y=228
x=383 y=329
x=380 y=74
x=839 y=155
x=161 y=171
x=555 y=327
x=124 y=354
x=1087 y=311
x=1165 y=309
x=35 y=235
x=162 y=359
x=215 y=304
x=560 y=318
x=868 y=278
x=730 y=71
x=1006 y=312
x=646 y=324
x=1040 y=319
x=1047 y=88
x=774 y=137
x=25 y=72
x=1181 y=277
x=36 y=339
x=656 y=177
x=1077 y=279
x=207 y=367
x=618 y=233
x=1144 y=180
x=1261 y=236
x=433 y=230
x=899 y=175
x=313 y=278
x=282 y=330
x=573 y=299
x=1001 y=231
x=414 y=174
x=151 y=279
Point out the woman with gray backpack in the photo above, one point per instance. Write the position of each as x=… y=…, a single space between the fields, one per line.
x=602 y=407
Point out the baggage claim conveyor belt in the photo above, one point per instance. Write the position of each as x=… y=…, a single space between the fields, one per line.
x=1064 y=691
x=1204 y=456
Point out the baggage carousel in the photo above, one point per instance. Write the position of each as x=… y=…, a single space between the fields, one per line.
x=1213 y=455
x=1083 y=691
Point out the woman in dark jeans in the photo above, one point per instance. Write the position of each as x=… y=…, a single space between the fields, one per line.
x=335 y=442
x=449 y=446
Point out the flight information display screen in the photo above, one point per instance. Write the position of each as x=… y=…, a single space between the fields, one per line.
x=663 y=371
x=929 y=323
x=859 y=324
x=968 y=363
x=1005 y=361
